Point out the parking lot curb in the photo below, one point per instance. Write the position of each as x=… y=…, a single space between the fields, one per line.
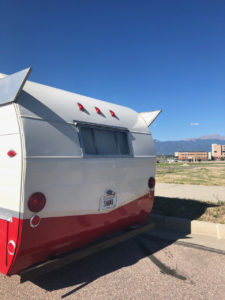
x=187 y=226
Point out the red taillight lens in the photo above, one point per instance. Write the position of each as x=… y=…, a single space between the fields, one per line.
x=151 y=182
x=112 y=113
x=11 y=247
x=11 y=153
x=98 y=110
x=36 y=202
x=81 y=107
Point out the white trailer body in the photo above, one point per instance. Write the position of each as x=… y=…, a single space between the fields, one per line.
x=72 y=169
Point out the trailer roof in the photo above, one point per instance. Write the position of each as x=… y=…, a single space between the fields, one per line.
x=39 y=101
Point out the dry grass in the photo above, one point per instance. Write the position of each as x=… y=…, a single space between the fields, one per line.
x=214 y=214
x=191 y=209
x=192 y=173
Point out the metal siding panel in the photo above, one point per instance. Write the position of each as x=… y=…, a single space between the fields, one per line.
x=10 y=172
x=143 y=144
x=8 y=120
x=75 y=186
x=50 y=138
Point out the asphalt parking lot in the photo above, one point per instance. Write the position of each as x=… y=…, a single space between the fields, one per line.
x=145 y=267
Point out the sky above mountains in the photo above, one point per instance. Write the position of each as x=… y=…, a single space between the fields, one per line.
x=143 y=54
x=203 y=143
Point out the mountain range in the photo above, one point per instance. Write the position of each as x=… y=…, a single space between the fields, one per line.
x=203 y=143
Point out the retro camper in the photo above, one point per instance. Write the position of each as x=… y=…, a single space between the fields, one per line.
x=72 y=169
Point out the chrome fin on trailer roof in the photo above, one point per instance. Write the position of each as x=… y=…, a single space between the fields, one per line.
x=10 y=86
x=150 y=116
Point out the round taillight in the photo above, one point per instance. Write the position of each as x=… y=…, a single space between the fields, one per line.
x=11 y=247
x=36 y=202
x=151 y=182
x=11 y=153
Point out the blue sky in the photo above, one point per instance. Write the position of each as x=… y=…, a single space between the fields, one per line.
x=145 y=54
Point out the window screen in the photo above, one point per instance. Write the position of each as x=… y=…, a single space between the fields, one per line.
x=101 y=141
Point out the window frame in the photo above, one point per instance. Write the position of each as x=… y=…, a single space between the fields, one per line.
x=107 y=128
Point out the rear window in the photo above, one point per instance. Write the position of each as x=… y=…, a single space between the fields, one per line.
x=102 y=141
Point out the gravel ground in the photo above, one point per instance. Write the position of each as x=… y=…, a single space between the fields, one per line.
x=142 y=268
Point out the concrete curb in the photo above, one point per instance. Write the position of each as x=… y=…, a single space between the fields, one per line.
x=187 y=226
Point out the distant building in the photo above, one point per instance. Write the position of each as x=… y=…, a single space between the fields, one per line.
x=193 y=156
x=209 y=156
x=218 y=151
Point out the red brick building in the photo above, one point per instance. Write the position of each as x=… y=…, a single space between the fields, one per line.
x=193 y=156
x=218 y=151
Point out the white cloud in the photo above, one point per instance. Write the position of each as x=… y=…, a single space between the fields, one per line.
x=194 y=124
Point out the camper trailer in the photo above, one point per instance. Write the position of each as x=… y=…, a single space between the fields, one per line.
x=72 y=169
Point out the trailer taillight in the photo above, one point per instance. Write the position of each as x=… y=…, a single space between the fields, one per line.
x=11 y=247
x=151 y=182
x=98 y=110
x=11 y=153
x=36 y=202
x=81 y=107
x=112 y=113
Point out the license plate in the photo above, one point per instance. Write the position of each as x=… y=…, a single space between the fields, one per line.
x=108 y=202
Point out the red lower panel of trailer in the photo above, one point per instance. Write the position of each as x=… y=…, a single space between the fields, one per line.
x=57 y=235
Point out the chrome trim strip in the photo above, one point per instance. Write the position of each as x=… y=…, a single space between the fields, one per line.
x=140 y=132
x=97 y=125
x=45 y=120
x=6 y=217
x=56 y=157
x=87 y=157
x=7 y=214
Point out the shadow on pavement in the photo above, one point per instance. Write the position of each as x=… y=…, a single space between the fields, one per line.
x=181 y=208
x=85 y=271
x=80 y=274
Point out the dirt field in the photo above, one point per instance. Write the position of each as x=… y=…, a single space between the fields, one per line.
x=210 y=173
